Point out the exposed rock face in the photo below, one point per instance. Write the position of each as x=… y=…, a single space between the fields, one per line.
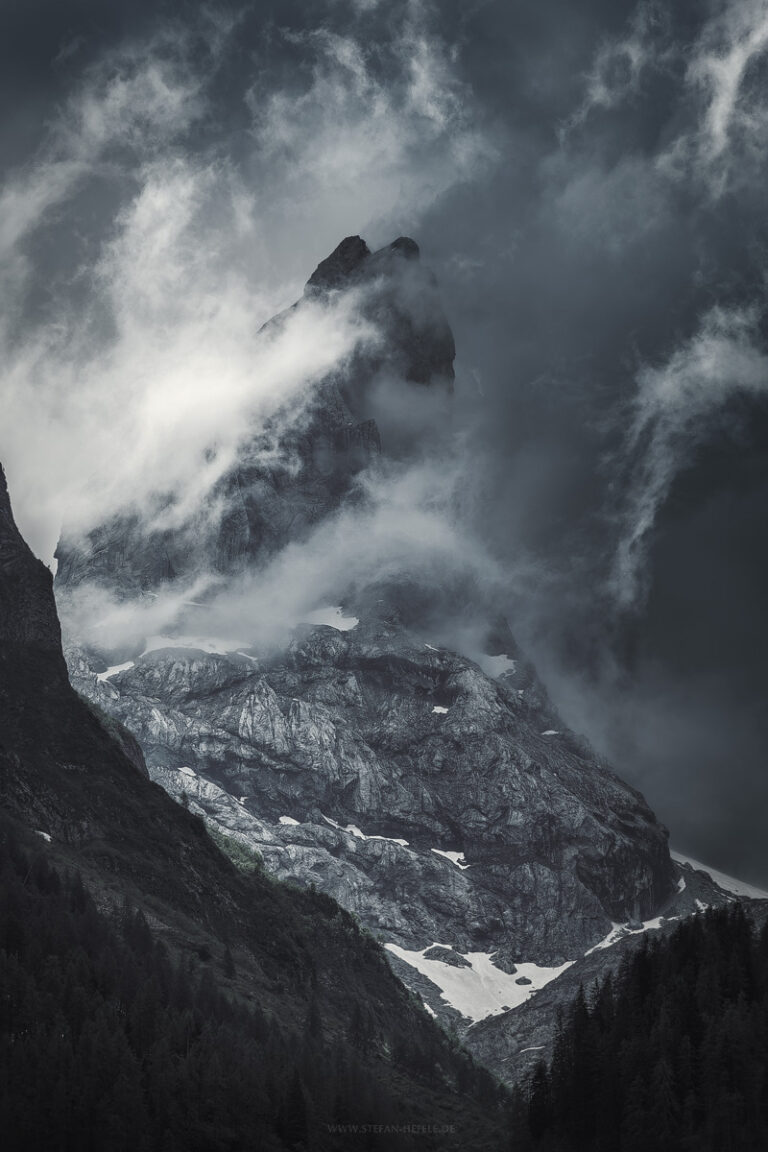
x=447 y=956
x=292 y=955
x=416 y=790
x=345 y=260
x=28 y=617
x=512 y=1043
x=441 y=802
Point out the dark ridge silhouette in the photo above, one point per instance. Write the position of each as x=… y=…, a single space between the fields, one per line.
x=155 y=996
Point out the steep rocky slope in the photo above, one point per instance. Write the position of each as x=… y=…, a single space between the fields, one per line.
x=63 y=776
x=438 y=797
x=473 y=821
x=299 y=466
x=512 y=1043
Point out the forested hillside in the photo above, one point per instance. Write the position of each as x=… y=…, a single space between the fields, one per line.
x=671 y=1056
x=107 y=1043
x=167 y=999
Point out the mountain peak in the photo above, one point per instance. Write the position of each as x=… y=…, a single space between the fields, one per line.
x=336 y=268
x=6 y=515
x=352 y=257
x=27 y=613
x=406 y=247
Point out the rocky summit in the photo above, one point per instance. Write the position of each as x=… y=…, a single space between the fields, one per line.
x=301 y=465
x=438 y=797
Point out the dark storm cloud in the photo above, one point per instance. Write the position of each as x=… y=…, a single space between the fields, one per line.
x=588 y=181
x=609 y=293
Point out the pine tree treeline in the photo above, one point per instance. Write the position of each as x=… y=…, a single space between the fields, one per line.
x=671 y=1055
x=107 y=1044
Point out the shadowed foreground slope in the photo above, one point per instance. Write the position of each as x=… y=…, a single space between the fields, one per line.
x=670 y=1055
x=138 y=959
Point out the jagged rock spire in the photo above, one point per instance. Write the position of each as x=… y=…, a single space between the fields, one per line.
x=353 y=259
x=344 y=259
x=27 y=609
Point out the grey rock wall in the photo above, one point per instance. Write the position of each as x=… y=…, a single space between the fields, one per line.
x=440 y=804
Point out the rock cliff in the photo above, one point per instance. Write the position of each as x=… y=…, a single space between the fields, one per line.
x=73 y=802
x=437 y=797
x=437 y=803
x=302 y=464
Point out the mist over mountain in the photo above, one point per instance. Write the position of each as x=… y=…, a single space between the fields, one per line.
x=384 y=401
x=159 y=988
x=396 y=750
x=587 y=185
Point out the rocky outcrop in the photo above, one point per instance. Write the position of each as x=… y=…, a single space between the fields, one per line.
x=302 y=465
x=401 y=298
x=440 y=800
x=72 y=801
x=28 y=618
x=433 y=801
x=512 y=1043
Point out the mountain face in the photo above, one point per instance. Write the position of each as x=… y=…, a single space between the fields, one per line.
x=324 y=1021
x=300 y=466
x=671 y=1056
x=422 y=794
x=512 y=1043
x=437 y=797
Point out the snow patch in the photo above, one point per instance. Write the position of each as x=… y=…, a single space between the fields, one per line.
x=242 y=799
x=551 y=732
x=290 y=821
x=431 y=1011
x=333 y=616
x=353 y=830
x=533 y=1048
x=728 y=883
x=113 y=671
x=620 y=931
x=681 y=885
x=187 y=771
x=702 y=907
x=482 y=989
x=431 y=648
x=45 y=835
x=454 y=857
x=495 y=666
x=439 y=709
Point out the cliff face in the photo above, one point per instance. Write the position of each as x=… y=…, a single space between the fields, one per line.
x=439 y=799
x=43 y=723
x=28 y=619
x=479 y=823
x=292 y=955
x=282 y=487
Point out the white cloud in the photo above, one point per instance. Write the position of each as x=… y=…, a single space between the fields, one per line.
x=729 y=45
x=133 y=100
x=678 y=406
x=620 y=62
x=137 y=382
x=376 y=136
x=719 y=124
x=405 y=525
x=157 y=408
x=726 y=141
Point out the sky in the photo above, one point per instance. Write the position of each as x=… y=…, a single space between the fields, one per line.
x=587 y=181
